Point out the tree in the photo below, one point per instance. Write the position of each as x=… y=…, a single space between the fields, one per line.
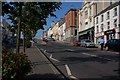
x=32 y=15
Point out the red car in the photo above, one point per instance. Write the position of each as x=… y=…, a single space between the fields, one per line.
x=76 y=43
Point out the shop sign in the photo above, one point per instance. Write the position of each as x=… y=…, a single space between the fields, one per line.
x=99 y=34
x=109 y=32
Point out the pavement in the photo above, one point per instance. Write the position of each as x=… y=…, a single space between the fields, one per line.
x=42 y=69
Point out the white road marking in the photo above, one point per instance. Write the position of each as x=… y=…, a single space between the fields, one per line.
x=50 y=55
x=69 y=72
x=90 y=54
x=53 y=58
x=51 y=66
x=69 y=49
x=96 y=56
x=45 y=51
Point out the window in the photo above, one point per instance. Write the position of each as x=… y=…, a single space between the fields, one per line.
x=115 y=11
x=108 y=15
x=86 y=23
x=90 y=11
x=115 y=23
x=101 y=27
x=75 y=32
x=90 y=20
x=97 y=29
x=108 y=25
x=101 y=18
x=97 y=20
x=75 y=14
x=86 y=12
x=76 y=23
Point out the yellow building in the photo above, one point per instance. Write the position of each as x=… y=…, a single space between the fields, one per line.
x=55 y=31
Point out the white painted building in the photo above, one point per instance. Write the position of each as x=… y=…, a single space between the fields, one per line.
x=107 y=23
x=62 y=27
x=86 y=21
x=62 y=32
x=49 y=32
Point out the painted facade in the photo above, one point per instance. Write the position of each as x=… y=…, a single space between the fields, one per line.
x=61 y=31
x=55 y=31
x=86 y=21
x=71 y=23
x=49 y=33
x=44 y=34
x=107 y=23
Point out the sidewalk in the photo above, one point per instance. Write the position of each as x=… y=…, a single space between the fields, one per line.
x=42 y=68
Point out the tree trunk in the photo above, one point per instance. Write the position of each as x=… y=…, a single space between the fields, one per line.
x=24 y=39
x=19 y=24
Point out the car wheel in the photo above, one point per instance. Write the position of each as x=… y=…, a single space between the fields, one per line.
x=107 y=48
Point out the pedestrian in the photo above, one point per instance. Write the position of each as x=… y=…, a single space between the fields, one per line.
x=101 y=43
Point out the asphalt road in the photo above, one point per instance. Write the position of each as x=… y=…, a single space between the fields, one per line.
x=82 y=63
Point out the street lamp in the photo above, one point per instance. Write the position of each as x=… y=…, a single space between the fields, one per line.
x=78 y=13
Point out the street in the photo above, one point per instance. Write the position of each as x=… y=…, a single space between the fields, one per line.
x=82 y=63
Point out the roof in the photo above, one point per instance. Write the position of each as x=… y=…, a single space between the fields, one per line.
x=108 y=8
x=71 y=10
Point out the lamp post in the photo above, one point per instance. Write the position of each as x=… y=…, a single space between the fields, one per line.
x=78 y=13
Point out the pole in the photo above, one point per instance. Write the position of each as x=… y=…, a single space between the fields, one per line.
x=78 y=24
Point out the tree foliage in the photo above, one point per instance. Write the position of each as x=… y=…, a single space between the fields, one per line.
x=34 y=14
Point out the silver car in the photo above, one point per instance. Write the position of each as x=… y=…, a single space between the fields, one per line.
x=87 y=43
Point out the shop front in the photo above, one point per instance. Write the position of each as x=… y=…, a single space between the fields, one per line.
x=110 y=34
x=98 y=36
x=87 y=34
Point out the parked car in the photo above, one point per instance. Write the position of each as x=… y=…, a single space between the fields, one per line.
x=76 y=43
x=113 y=44
x=87 y=43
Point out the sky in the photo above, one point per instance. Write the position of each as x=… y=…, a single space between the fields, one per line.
x=60 y=14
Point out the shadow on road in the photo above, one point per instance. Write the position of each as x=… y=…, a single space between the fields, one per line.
x=103 y=78
x=44 y=77
x=74 y=60
x=58 y=77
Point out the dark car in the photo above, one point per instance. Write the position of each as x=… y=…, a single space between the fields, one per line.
x=113 y=44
